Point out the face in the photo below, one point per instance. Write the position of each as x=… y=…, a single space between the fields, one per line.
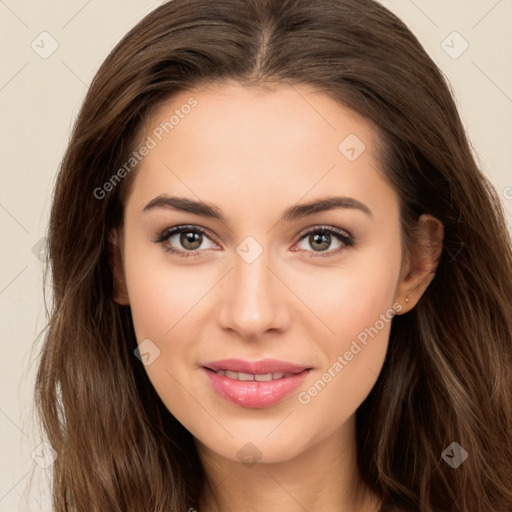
x=261 y=273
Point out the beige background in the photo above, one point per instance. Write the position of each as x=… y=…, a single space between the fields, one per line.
x=40 y=97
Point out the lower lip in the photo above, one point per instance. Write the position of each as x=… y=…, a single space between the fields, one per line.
x=254 y=394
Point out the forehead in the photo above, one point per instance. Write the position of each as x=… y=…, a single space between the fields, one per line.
x=277 y=115
x=281 y=143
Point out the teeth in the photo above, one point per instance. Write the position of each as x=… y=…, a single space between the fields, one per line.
x=265 y=377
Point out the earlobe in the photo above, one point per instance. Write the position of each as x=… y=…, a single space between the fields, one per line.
x=422 y=262
x=116 y=265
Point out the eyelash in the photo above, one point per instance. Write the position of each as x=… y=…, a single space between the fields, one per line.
x=341 y=235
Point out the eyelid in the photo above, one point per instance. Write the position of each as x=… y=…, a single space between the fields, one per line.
x=325 y=228
x=166 y=233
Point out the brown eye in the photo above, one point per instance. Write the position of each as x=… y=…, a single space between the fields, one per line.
x=320 y=239
x=320 y=242
x=185 y=240
x=191 y=240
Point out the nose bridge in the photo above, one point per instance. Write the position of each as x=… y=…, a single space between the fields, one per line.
x=253 y=303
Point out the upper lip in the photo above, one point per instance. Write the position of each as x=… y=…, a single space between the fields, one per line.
x=256 y=367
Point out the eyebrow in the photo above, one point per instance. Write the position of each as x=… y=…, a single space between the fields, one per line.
x=295 y=212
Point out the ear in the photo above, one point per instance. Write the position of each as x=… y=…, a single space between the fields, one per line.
x=116 y=264
x=420 y=266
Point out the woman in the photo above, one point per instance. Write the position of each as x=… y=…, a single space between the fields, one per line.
x=280 y=280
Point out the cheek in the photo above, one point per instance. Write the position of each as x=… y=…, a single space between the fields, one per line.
x=164 y=299
x=355 y=303
x=352 y=296
x=161 y=294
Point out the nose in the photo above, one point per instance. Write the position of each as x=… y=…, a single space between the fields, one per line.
x=254 y=299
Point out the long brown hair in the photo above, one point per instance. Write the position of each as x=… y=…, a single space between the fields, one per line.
x=447 y=374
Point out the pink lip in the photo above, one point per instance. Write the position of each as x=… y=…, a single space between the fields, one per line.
x=254 y=394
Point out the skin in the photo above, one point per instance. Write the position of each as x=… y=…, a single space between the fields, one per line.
x=254 y=152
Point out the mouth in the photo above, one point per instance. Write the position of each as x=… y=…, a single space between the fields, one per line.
x=254 y=384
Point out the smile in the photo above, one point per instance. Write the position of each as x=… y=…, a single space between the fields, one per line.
x=258 y=377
